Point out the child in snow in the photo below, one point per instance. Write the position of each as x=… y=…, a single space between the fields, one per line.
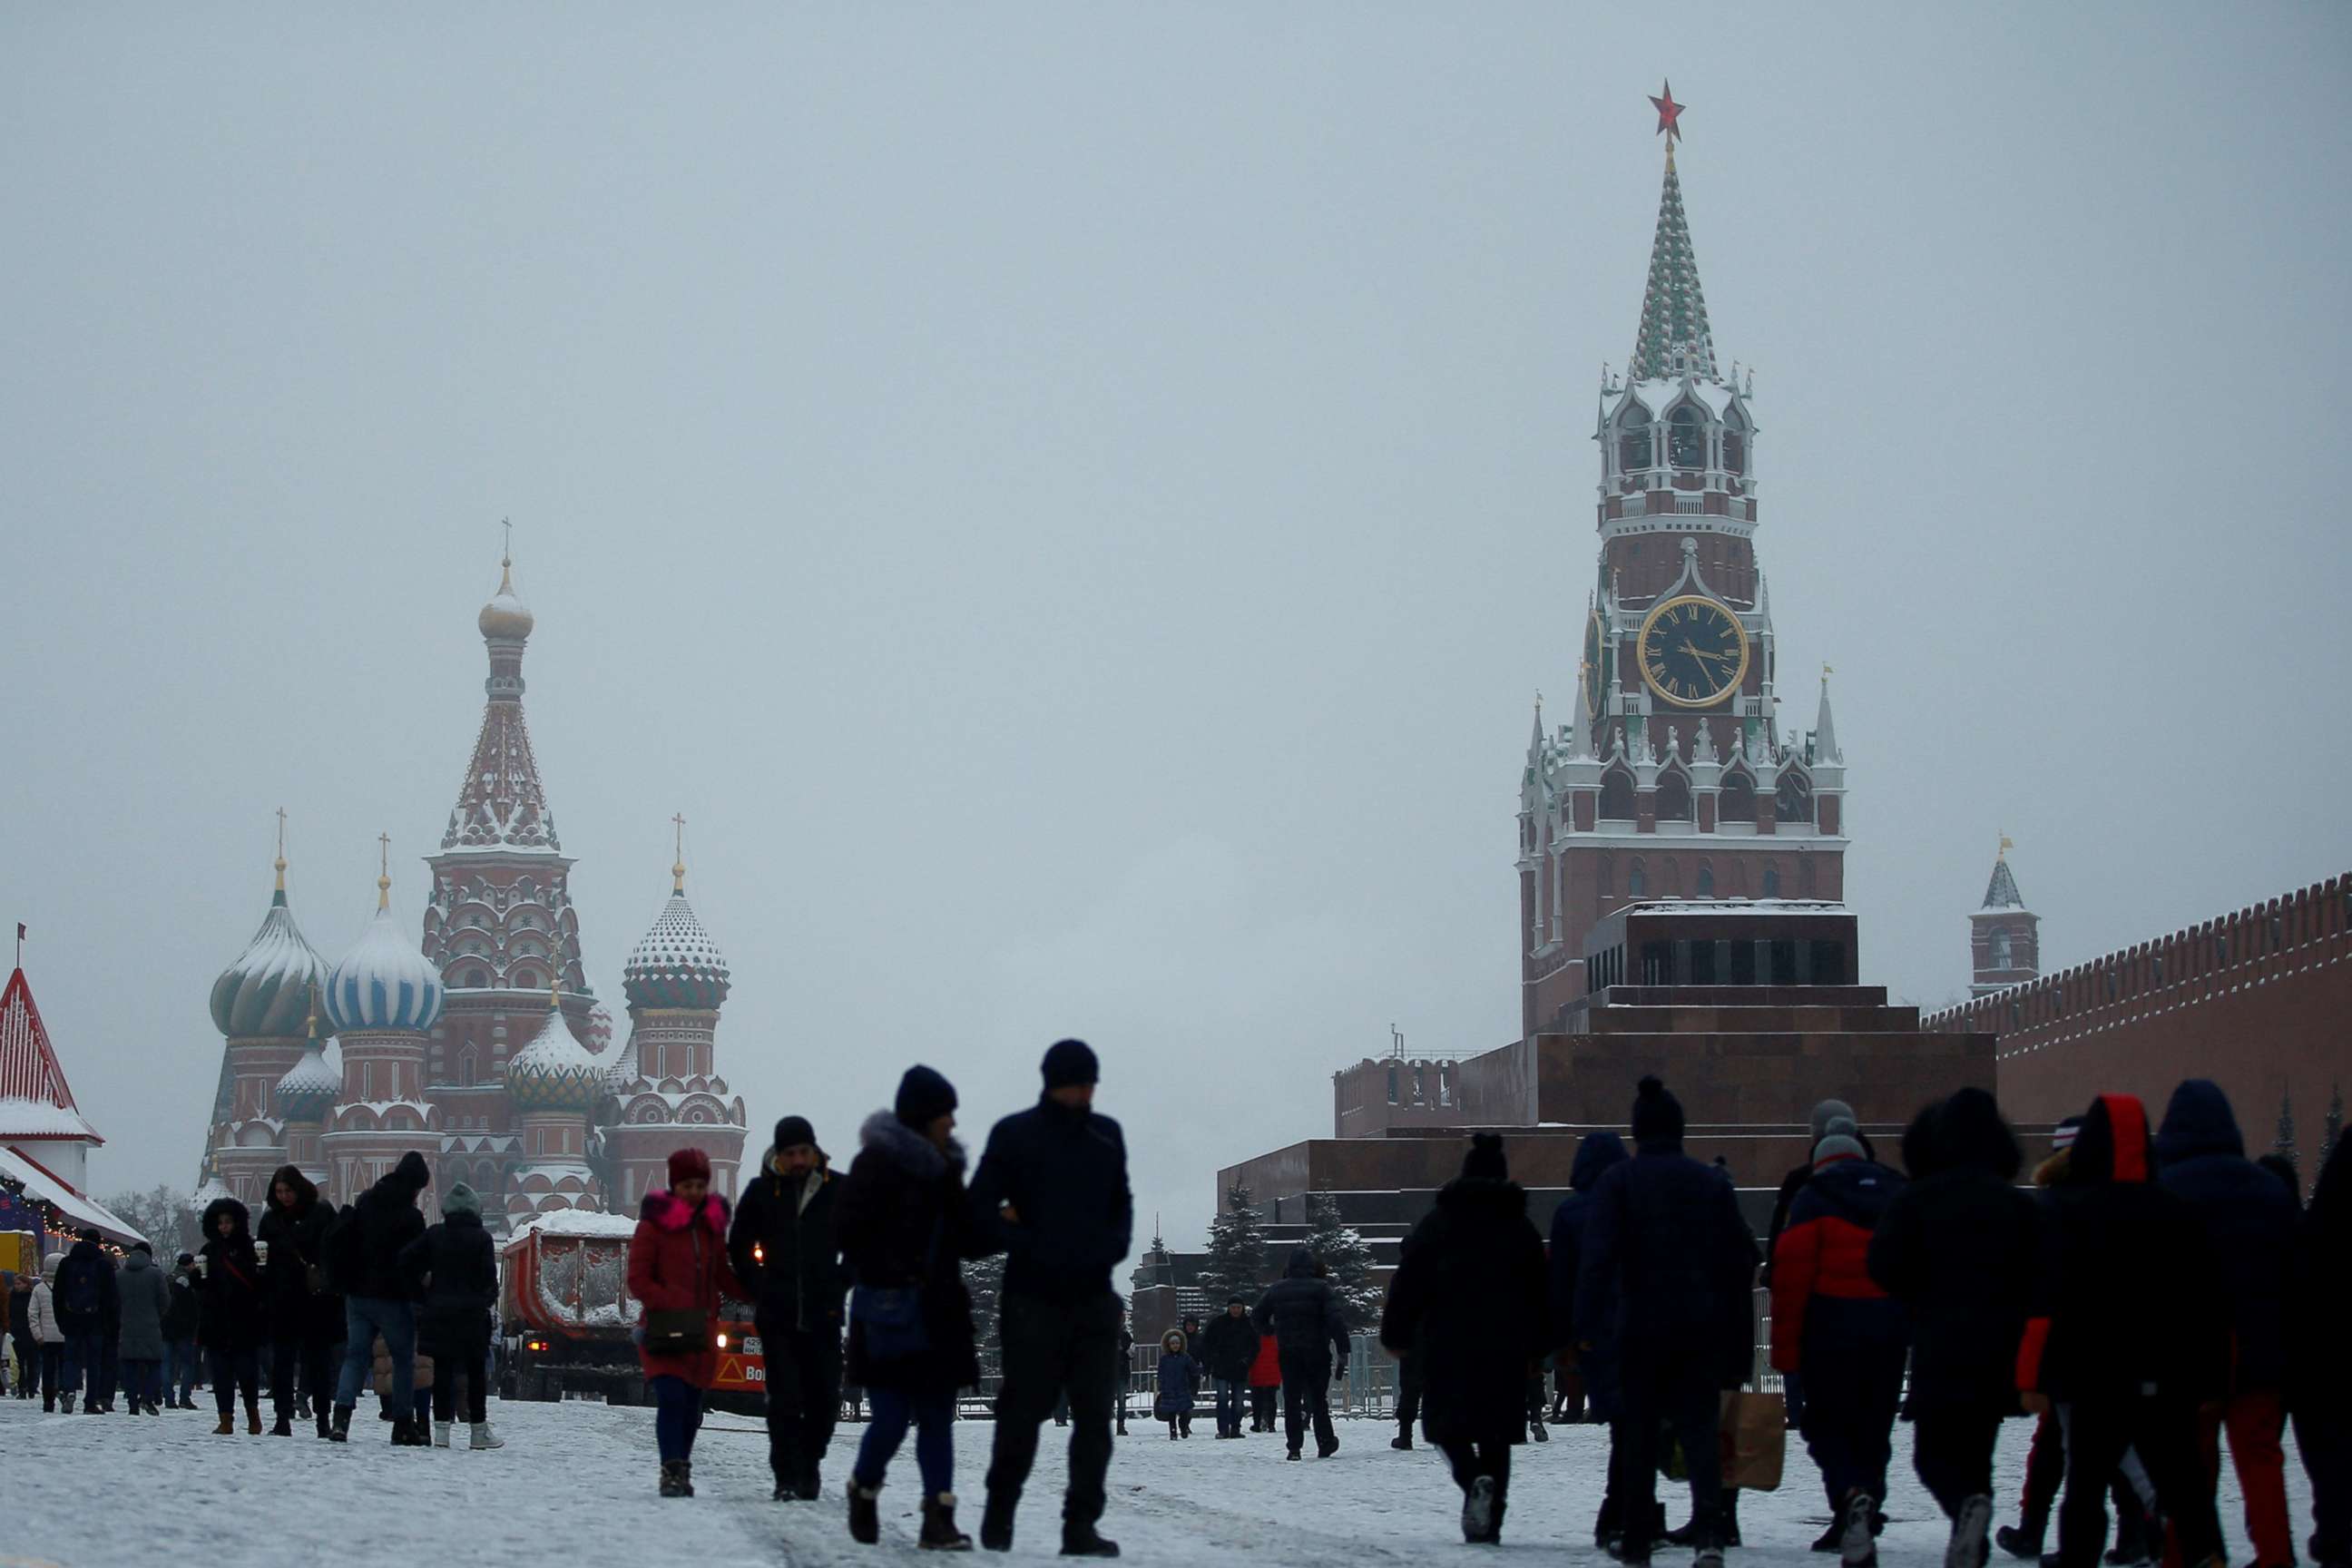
x=1179 y=1380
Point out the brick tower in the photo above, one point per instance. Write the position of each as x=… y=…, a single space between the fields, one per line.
x=261 y=1004
x=383 y=997
x=1674 y=778
x=2004 y=936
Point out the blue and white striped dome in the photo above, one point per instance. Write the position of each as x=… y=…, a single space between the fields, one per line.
x=383 y=981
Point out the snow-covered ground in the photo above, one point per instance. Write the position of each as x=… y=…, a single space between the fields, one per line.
x=576 y=1481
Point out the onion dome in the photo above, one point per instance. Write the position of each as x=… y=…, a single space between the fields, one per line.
x=311 y=1086
x=383 y=981
x=213 y=1191
x=675 y=965
x=506 y=616
x=266 y=992
x=554 y=1072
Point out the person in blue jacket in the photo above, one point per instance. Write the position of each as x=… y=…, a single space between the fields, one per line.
x=1180 y=1384
x=1590 y=1349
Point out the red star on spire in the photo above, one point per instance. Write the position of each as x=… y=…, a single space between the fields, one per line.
x=1669 y=112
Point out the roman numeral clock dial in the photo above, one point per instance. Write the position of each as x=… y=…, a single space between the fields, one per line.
x=1693 y=652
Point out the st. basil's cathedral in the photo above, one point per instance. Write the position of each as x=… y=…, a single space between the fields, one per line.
x=483 y=1047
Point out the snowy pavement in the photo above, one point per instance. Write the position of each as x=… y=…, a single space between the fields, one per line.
x=577 y=1481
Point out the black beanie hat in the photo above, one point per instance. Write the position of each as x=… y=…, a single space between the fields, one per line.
x=412 y=1172
x=793 y=1131
x=1069 y=1062
x=1657 y=1115
x=1484 y=1163
x=924 y=1096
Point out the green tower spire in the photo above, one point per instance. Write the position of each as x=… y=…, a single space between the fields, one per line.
x=1674 y=339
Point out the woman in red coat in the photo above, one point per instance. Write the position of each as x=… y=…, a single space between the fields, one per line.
x=678 y=1264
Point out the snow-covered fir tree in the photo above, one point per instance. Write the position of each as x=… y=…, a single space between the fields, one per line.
x=2333 y=1128
x=2284 y=1145
x=1235 y=1265
x=984 y=1277
x=1348 y=1258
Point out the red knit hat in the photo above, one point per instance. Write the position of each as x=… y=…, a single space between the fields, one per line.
x=689 y=1165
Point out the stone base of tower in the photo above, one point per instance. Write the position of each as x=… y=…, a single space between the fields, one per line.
x=638 y=1157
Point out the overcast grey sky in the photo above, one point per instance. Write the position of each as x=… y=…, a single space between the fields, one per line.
x=1072 y=502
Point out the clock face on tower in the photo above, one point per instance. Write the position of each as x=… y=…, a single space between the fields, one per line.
x=1693 y=651
x=1596 y=689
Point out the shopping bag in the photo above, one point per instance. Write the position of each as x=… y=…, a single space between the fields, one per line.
x=1754 y=1438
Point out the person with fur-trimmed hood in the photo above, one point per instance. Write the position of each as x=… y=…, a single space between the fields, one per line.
x=235 y=1313
x=2127 y=1358
x=1468 y=1304
x=905 y=1227
x=455 y=1274
x=784 y=1249
x=306 y=1317
x=679 y=1273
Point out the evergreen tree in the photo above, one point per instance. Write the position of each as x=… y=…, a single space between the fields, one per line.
x=984 y=1277
x=1235 y=1265
x=1348 y=1258
x=2284 y=1143
x=2332 y=1127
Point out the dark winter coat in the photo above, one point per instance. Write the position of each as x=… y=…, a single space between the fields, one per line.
x=2249 y=1218
x=1596 y=1156
x=1228 y=1346
x=186 y=1314
x=2130 y=1293
x=1179 y=1384
x=453 y=1271
x=1824 y=1301
x=297 y=1238
x=236 y=1312
x=1064 y=1172
x=1668 y=1267
x=1468 y=1306
x=2319 y=1273
x=385 y=1220
x=1959 y=1248
x=904 y=1220
x=20 y=1313
x=146 y=1298
x=1302 y=1311
x=798 y=1280
x=677 y=1263
x=85 y=1294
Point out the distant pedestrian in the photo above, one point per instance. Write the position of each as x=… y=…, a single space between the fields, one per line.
x=234 y=1318
x=1591 y=1345
x=306 y=1318
x=364 y=1249
x=181 y=1324
x=86 y=1307
x=1052 y=1191
x=1190 y=1328
x=1227 y=1348
x=1300 y=1312
x=50 y=1334
x=2319 y=1355
x=906 y=1226
x=678 y=1272
x=784 y=1251
x=21 y=1335
x=1468 y=1304
x=1265 y=1381
x=454 y=1271
x=146 y=1298
x=1180 y=1384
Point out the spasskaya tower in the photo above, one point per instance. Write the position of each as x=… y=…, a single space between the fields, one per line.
x=1673 y=777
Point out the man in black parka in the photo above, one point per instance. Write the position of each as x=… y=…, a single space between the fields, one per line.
x=363 y=1251
x=1302 y=1312
x=783 y=1250
x=1052 y=1193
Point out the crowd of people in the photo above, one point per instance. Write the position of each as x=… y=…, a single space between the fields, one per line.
x=2151 y=1292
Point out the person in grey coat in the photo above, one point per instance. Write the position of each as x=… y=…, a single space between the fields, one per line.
x=146 y=1298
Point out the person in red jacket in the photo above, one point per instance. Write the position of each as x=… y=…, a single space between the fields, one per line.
x=678 y=1264
x=1832 y=1325
x=1265 y=1384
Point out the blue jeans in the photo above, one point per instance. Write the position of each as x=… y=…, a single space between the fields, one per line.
x=180 y=1369
x=365 y=1317
x=678 y=1415
x=933 y=1418
x=1229 y=1404
x=85 y=1368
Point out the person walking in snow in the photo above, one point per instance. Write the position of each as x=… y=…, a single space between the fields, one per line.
x=235 y=1317
x=2319 y=1355
x=1837 y=1329
x=41 y=1314
x=21 y=1335
x=305 y=1320
x=1265 y=1381
x=2250 y=1223
x=1666 y=1255
x=453 y=1271
x=1051 y=1192
x=1227 y=1348
x=1961 y=1247
x=784 y=1249
x=85 y=1303
x=679 y=1273
x=1300 y=1312
x=904 y=1225
x=1468 y=1304
x=364 y=1249
x=2133 y=1335
x=146 y=1298
x=1179 y=1384
x=180 y=1326
x=1588 y=1344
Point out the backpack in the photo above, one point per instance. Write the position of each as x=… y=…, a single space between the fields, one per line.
x=81 y=1298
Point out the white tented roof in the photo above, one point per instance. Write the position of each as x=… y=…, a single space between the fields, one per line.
x=39 y=1184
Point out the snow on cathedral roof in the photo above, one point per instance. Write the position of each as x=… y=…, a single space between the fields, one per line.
x=501 y=804
x=383 y=981
x=266 y=992
x=677 y=964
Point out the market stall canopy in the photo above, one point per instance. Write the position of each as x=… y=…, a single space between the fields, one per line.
x=78 y=1210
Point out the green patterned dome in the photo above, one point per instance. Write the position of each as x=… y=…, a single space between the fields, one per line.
x=554 y=1072
x=266 y=992
x=677 y=965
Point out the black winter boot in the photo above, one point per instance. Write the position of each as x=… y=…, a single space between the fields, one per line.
x=340 y=1432
x=2022 y=1539
x=673 y=1478
x=996 y=1521
x=283 y=1426
x=939 y=1532
x=864 y=1512
x=1085 y=1540
x=326 y=1421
